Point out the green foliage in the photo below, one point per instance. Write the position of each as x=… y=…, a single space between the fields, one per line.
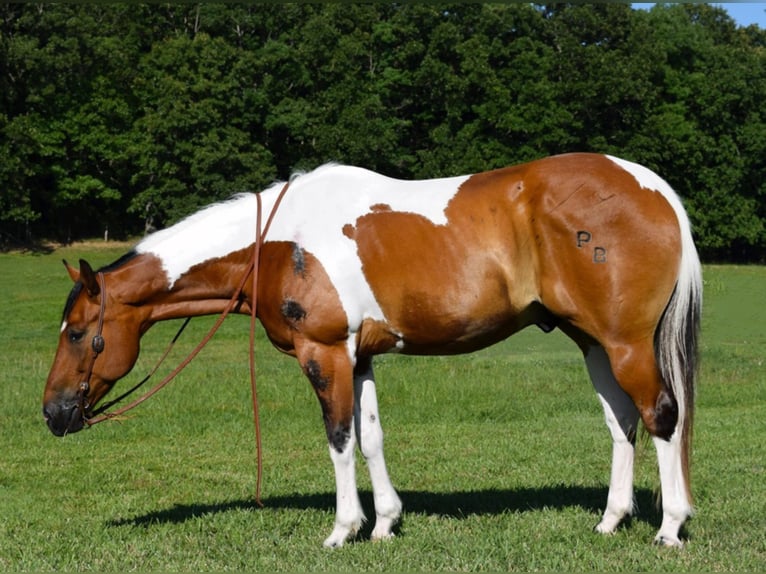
x=191 y=145
x=130 y=116
x=501 y=457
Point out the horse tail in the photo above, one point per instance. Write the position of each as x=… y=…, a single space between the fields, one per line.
x=677 y=337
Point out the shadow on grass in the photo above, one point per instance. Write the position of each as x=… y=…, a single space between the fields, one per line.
x=446 y=504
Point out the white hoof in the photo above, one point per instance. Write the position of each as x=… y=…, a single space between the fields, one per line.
x=383 y=527
x=669 y=529
x=610 y=522
x=607 y=530
x=671 y=542
x=387 y=536
x=339 y=536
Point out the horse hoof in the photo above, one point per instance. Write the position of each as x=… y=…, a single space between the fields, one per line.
x=611 y=522
x=337 y=538
x=382 y=537
x=600 y=528
x=384 y=527
x=340 y=534
x=333 y=542
x=667 y=541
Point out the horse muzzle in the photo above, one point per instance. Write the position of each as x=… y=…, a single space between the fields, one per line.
x=64 y=416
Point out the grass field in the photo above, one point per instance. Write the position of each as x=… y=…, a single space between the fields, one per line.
x=501 y=457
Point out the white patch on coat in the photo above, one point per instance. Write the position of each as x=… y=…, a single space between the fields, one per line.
x=213 y=232
x=647 y=179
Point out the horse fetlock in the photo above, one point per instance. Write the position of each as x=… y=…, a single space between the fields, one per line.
x=387 y=517
x=388 y=504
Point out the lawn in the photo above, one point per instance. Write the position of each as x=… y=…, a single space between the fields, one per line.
x=501 y=457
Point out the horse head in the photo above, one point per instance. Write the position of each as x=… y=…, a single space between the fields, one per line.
x=98 y=344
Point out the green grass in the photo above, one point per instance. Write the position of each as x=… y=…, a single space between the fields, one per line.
x=501 y=457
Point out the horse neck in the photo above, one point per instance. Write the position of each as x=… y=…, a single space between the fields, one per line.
x=195 y=267
x=207 y=289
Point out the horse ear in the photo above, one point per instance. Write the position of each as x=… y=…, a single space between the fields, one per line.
x=88 y=278
x=74 y=274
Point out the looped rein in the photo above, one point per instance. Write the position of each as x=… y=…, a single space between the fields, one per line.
x=97 y=344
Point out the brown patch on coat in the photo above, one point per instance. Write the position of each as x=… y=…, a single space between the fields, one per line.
x=298 y=308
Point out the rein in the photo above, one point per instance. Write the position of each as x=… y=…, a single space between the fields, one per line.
x=97 y=344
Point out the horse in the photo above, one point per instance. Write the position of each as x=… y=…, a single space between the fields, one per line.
x=356 y=264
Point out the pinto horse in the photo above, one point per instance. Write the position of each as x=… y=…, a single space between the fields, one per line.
x=357 y=264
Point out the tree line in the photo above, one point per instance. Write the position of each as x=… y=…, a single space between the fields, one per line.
x=126 y=117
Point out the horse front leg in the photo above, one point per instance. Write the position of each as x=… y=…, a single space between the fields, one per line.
x=330 y=371
x=369 y=434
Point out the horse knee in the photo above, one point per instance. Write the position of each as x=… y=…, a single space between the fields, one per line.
x=330 y=376
x=338 y=434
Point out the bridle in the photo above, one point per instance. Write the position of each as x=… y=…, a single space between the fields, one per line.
x=97 y=346
x=97 y=343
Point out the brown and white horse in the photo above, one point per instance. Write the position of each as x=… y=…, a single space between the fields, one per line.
x=357 y=264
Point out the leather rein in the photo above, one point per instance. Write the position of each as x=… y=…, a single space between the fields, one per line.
x=98 y=344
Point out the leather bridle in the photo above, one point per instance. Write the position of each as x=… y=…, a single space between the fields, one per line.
x=97 y=346
x=98 y=343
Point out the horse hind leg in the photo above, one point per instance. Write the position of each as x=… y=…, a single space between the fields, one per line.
x=635 y=369
x=369 y=434
x=622 y=421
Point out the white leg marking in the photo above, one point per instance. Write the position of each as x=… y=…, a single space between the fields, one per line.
x=675 y=502
x=622 y=420
x=348 y=515
x=369 y=432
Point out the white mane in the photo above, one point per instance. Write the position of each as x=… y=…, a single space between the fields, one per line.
x=212 y=232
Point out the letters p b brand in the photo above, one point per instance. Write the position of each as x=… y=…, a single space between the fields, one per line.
x=599 y=253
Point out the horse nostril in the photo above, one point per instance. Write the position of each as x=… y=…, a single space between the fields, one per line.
x=51 y=412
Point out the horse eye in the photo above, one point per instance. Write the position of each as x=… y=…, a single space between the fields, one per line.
x=75 y=336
